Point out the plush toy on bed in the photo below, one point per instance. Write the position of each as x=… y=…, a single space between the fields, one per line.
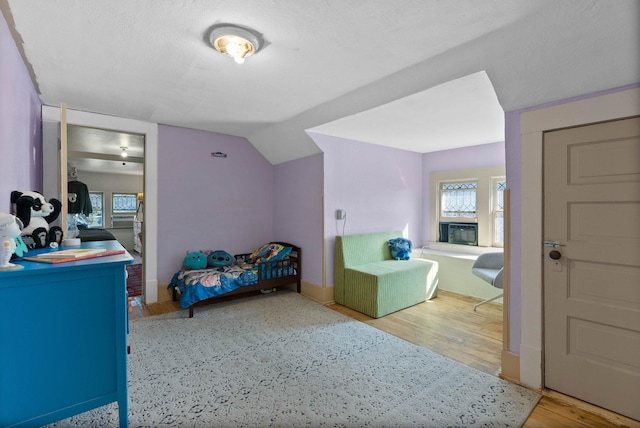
x=219 y=258
x=271 y=251
x=36 y=215
x=400 y=248
x=195 y=260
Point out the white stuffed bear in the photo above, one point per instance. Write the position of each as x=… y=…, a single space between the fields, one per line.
x=9 y=230
x=36 y=214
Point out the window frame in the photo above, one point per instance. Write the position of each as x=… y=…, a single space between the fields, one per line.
x=133 y=196
x=484 y=202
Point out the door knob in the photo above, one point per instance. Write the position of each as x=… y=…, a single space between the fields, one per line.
x=555 y=254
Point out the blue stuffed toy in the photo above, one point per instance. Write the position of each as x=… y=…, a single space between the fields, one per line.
x=400 y=248
x=195 y=260
x=219 y=258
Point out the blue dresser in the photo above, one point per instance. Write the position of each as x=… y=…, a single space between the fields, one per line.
x=63 y=336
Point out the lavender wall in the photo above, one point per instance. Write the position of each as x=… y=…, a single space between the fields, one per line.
x=297 y=210
x=379 y=187
x=492 y=154
x=20 y=124
x=206 y=202
x=465 y=157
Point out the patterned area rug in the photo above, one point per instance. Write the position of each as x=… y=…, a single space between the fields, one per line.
x=134 y=279
x=281 y=360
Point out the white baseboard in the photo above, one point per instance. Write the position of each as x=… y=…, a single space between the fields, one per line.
x=510 y=367
x=531 y=366
x=317 y=293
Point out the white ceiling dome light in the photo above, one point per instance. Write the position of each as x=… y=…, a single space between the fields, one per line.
x=235 y=41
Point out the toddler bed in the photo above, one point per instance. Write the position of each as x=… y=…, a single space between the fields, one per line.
x=273 y=265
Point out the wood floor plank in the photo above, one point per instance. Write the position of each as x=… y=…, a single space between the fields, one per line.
x=551 y=412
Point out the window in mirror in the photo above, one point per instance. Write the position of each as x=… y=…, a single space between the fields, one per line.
x=124 y=203
x=95 y=218
x=123 y=210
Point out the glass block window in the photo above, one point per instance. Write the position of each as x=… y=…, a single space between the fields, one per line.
x=458 y=199
x=124 y=203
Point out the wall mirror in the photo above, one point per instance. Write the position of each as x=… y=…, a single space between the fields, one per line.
x=116 y=159
x=107 y=168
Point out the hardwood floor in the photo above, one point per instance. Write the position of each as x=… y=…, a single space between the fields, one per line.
x=447 y=325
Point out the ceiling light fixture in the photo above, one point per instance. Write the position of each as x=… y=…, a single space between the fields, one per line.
x=235 y=41
x=124 y=153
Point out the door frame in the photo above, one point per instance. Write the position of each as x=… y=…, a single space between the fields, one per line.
x=610 y=106
x=150 y=131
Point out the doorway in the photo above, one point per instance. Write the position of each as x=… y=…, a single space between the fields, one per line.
x=591 y=265
x=105 y=178
x=51 y=117
x=527 y=326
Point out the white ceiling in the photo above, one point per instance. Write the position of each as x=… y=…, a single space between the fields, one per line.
x=462 y=112
x=100 y=150
x=420 y=75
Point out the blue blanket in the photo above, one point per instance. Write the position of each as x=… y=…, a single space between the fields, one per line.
x=200 y=284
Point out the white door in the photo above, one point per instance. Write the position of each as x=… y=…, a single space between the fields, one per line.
x=592 y=280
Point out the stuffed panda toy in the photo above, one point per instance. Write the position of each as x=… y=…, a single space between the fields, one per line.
x=36 y=215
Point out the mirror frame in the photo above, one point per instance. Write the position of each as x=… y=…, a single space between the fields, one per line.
x=150 y=131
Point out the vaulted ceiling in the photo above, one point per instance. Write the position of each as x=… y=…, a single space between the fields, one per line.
x=420 y=75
